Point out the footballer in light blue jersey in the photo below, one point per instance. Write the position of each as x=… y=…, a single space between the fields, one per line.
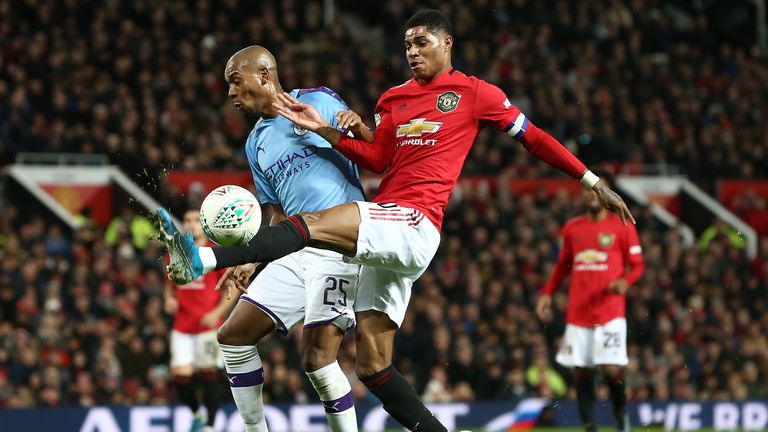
x=299 y=169
x=294 y=171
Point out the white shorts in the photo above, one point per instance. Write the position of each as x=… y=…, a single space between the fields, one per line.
x=312 y=284
x=200 y=350
x=395 y=246
x=587 y=347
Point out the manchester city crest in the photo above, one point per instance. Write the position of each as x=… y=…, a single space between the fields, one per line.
x=448 y=101
x=300 y=131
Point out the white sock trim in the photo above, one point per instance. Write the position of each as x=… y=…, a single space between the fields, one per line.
x=330 y=382
x=240 y=359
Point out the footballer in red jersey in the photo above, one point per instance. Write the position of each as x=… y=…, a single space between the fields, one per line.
x=199 y=310
x=604 y=258
x=424 y=131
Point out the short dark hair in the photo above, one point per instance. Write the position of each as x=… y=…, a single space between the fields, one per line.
x=432 y=19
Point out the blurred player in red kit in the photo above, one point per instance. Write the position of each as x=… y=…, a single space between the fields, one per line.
x=195 y=358
x=604 y=258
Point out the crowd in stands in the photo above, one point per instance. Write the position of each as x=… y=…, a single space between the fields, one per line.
x=81 y=314
x=636 y=82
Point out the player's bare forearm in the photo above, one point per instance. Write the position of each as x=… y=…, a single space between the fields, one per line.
x=170 y=290
x=170 y=305
x=365 y=134
x=329 y=133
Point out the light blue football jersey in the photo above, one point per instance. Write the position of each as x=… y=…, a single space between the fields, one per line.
x=299 y=169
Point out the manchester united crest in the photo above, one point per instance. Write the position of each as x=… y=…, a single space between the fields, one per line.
x=448 y=101
x=605 y=239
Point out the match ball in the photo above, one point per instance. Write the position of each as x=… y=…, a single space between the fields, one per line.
x=230 y=215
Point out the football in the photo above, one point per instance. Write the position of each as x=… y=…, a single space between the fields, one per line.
x=230 y=215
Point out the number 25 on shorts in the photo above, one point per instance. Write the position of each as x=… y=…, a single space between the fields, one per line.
x=331 y=284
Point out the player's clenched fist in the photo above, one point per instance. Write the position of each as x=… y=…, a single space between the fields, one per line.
x=544 y=308
x=350 y=121
x=619 y=286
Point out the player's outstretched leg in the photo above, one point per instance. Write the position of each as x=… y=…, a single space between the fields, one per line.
x=237 y=339
x=585 y=393
x=189 y=261
x=320 y=347
x=614 y=375
x=333 y=229
x=375 y=340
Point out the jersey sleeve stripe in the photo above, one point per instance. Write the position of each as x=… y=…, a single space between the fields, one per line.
x=518 y=127
x=321 y=89
x=634 y=250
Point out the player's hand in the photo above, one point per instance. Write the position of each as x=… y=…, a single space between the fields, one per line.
x=210 y=319
x=236 y=278
x=544 y=308
x=612 y=202
x=619 y=286
x=171 y=305
x=304 y=115
x=350 y=121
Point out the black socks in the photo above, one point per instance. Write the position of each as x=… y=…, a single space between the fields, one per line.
x=211 y=383
x=618 y=397
x=185 y=387
x=401 y=401
x=585 y=391
x=269 y=244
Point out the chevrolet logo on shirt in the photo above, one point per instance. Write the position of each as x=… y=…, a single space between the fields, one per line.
x=416 y=127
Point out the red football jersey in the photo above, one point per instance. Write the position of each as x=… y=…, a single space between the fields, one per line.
x=195 y=300
x=424 y=132
x=596 y=253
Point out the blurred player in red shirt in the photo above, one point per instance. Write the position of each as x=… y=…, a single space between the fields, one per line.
x=604 y=259
x=199 y=311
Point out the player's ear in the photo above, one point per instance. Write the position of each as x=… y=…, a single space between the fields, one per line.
x=448 y=42
x=264 y=75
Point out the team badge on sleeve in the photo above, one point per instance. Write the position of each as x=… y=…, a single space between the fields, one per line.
x=605 y=239
x=448 y=101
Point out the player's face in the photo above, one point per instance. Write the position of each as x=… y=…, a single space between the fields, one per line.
x=428 y=53
x=246 y=89
x=191 y=223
